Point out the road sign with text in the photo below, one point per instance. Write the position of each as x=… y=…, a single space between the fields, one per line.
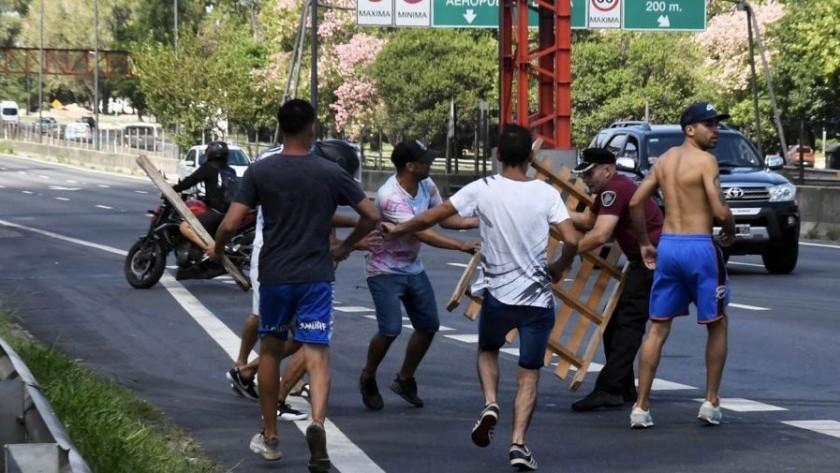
x=664 y=15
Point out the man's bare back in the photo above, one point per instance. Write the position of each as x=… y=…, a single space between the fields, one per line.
x=690 y=185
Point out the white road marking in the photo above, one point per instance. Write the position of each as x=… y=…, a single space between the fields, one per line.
x=662 y=385
x=104 y=186
x=346 y=456
x=466 y=338
x=142 y=192
x=592 y=368
x=28 y=192
x=71 y=181
x=459 y=265
x=44 y=177
x=353 y=309
x=62 y=188
x=104 y=207
x=748 y=307
x=62 y=198
x=820 y=245
x=827 y=427
x=746 y=264
x=739 y=404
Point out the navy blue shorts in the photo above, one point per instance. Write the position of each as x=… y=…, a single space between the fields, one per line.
x=533 y=323
x=416 y=294
x=306 y=305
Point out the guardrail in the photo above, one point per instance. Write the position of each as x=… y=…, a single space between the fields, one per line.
x=33 y=438
x=812 y=177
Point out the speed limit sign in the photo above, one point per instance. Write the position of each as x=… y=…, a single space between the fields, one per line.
x=605 y=13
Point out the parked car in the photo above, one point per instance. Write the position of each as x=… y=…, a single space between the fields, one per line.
x=46 y=126
x=78 y=131
x=194 y=157
x=762 y=201
x=792 y=156
x=9 y=112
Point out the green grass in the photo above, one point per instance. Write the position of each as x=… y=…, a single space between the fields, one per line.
x=114 y=430
x=833 y=233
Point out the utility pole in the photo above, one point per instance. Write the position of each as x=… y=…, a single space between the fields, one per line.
x=96 y=73
x=41 y=78
x=313 y=76
x=754 y=81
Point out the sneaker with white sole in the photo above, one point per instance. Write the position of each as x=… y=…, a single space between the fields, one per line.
x=482 y=432
x=709 y=414
x=268 y=449
x=521 y=458
x=246 y=389
x=289 y=414
x=640 y=419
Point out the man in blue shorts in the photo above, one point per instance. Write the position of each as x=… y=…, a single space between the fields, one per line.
x=396 y=275
x=516 y=213
x=689 y=264
x=299 y=193
x=610 y=218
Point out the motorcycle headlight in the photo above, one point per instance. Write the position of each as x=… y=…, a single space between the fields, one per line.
x=782 y=193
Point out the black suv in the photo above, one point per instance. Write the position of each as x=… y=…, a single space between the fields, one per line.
x=762 y=201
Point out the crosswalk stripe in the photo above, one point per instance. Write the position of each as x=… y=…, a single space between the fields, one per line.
x=663 y=385
x=738 y=404
x=747 y=307
x=466 y=338
x=352 y=309
x=827 y=427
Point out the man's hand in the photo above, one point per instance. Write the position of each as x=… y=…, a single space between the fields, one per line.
x=726 y=238
x=556 y=272
x=649 y=256
x=370 y=242
x=386 y=228
x=470 y=246
x=213 y=253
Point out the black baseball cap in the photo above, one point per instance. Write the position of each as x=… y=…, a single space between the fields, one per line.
x=700 y=112
x=412 y=150
x=593 y=157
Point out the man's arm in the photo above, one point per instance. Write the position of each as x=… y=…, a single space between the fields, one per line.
x=600 y=233
x=570 y=248
x=717 y=201
x=457 y=222
x=343 y=221
x=583 y=221
x=367 y=222
x=420 y=222
x=637 y=206
x=193 y=179
x=230 y=224
x=431 y=237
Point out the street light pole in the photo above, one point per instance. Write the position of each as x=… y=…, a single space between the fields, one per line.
x=313 y=78
x=96 y=73
x=41 y=78
x=176 y=26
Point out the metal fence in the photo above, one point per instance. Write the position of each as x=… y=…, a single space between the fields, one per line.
x=33 y=438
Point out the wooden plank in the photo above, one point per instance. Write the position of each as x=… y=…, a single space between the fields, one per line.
x=544 y=170
x=473 y=309
x=463 y=283
x=182 y=209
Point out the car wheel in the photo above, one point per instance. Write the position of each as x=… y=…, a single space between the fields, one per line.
x=781 y=259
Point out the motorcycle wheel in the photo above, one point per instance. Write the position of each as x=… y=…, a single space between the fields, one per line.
x=144 y=264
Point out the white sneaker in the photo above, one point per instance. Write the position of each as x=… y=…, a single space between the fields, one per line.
x=268 y=449
x=640 y=419
x=709 y=414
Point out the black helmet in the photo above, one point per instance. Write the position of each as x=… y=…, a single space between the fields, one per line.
x=216 y=150
x=339 y=152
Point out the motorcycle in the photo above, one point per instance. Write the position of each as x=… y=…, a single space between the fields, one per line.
x=146 y=260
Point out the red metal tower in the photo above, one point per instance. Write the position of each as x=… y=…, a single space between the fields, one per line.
x=548 y=66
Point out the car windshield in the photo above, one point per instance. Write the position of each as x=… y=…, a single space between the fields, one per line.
x=732 y=150
x=236 y=157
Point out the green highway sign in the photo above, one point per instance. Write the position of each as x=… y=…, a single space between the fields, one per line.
x=485 y=14
x=664 y=15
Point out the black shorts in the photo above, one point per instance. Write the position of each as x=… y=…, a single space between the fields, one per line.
x=211 y=220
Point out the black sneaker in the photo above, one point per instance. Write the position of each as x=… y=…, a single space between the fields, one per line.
x=596 y=400
x=316 y=439
x=629 y=394
x=370 y=393
x=521 y=458
x=289 y=414
x=482 y=432
x=246 y=389
x=407 y=389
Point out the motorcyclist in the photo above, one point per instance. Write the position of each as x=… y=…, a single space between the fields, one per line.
x=216 y=157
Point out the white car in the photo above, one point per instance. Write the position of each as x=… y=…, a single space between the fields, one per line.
x=188 y=163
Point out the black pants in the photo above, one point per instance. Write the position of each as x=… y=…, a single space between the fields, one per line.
x=624 y=332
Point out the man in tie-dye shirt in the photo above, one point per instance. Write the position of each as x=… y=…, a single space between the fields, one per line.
x=396 y=275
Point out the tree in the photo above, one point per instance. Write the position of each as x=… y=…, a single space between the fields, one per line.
x=419 y=70
x=615 y=74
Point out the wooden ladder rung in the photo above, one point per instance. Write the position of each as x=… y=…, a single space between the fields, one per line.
x=565 y=354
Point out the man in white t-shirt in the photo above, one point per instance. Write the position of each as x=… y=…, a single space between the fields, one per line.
x=516 y=213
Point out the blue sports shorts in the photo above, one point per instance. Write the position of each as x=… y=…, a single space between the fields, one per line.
x=306 y=305
x=689 y=268
x=416 y=294
x=533 y=323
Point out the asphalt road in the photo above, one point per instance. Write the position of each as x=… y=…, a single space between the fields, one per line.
x=63 y=237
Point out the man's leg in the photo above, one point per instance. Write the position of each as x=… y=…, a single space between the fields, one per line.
x=377 y=349
x=523 y=406
x=317 y=359
x=649 y=360
x=418 y=345
x=248 y=342
x=191 y=235
x=271 y=353
x=487 y=366
x=716 y=348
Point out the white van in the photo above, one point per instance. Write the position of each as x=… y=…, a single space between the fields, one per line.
x=9 y=112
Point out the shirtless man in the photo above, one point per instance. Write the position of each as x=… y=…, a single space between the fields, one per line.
x=689 y=266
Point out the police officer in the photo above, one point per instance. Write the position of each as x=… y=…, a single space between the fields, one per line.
x=609 y=218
